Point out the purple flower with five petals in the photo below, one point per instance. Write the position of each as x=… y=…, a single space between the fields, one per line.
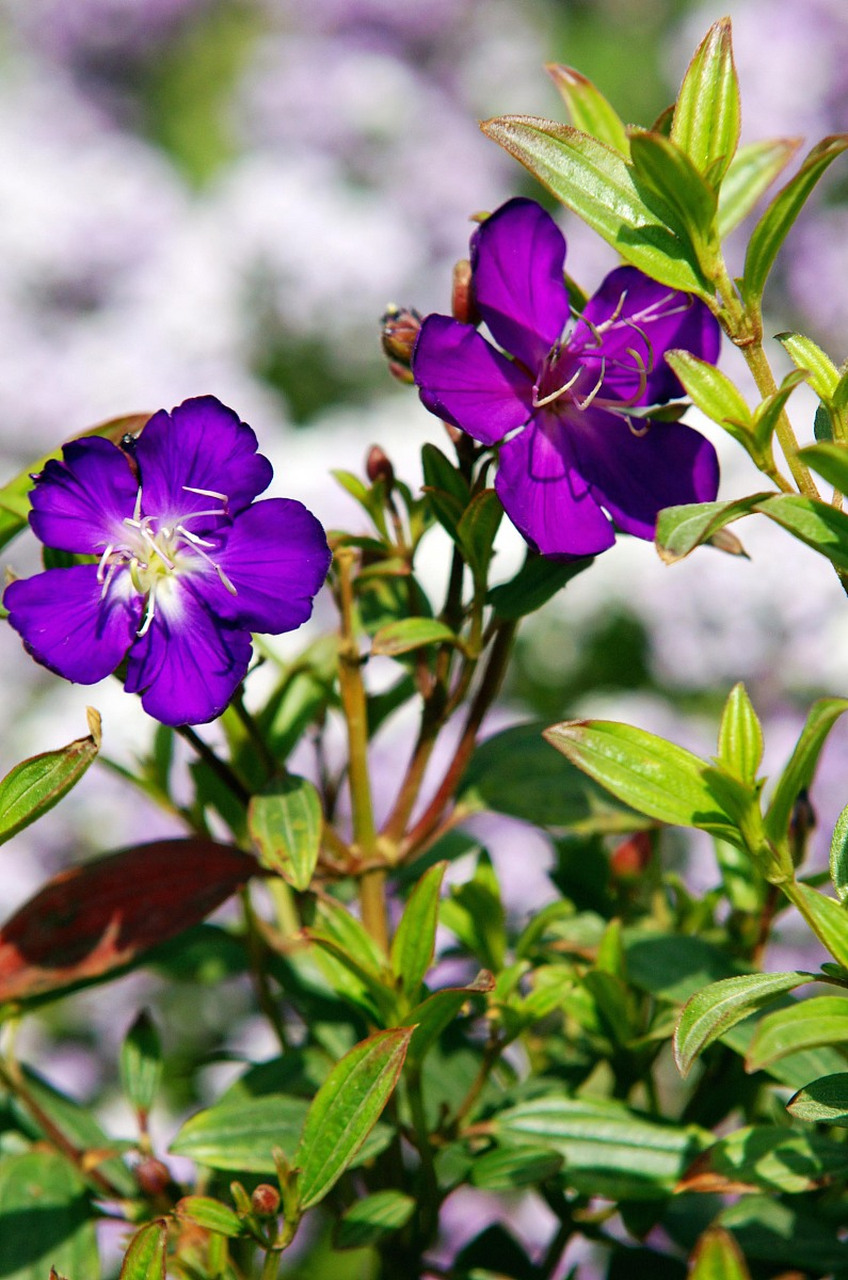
x=571 y=456
x=187 y=564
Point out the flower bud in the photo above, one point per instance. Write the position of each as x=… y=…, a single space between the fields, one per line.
x=152 y=1176
x=463 y=306
x=265 y=1200
x=379 y=467
x=632 y=857
x=398 y=332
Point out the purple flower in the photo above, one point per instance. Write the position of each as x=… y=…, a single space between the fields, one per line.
x=187 y=564
x=570 y=455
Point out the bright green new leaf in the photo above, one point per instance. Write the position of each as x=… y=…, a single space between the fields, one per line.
x=827 y=918
x=285 y=822
x=370 y=1220
x=716 y=1008
x=822 y=373
x=589 y=109
x=806 y=1024
x=476 y=532
x=242 y=1135
x=335 y=922
x=823 y=1101
x=595 y=182
x=767 y=414
x=740 y=737
x=655 y=777
x=446 y=487
x=681 y=529
x=775 y=224
x=752 y=171
x=438 y=1011
x=35 y=785
x=145 y=1258
x=816 y=523
x=711 y=391
x=211 y=1215
x=830 y=460
x=345 y=1109
x=717 y=1256
x=411 y=633
x=801 y=767
x=839 y=856
x=706 y=115
x=141 y=1063
x=415 y=937
x=672 y=186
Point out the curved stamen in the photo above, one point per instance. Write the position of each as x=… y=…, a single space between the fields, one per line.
x=555 y=395
x=587 y=400
x=206 y=493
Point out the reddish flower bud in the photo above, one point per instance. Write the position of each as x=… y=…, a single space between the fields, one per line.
x=379 y=467
x=398 y=332
x=265 y=1200
x=152 y=1176
x=463 y=306
x=632 y=857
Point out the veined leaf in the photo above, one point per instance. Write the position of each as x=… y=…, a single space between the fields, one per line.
x=740 y=737
x=805 y=1025
x=822 y=373
x=211 y=1215
x=141 y=1063
x=589 y=109
x=710 y=390
x=752 y=171
x=663 y=171
x=823 y=1101
x=415 y=937
x=801 y=767
x=285 y=821
x=830 y=460
x=34 y=786
x=594 y=181
x=46 y=1218
x=827 y=918
x=145 y=1258
x=411 y=633
x=681 y=529
x=767 y=1158
x=707 y=116
x=716 y=1008
x=538 y=579
x=241 y=1135
x=839 y=856
x=775 y=224
x=370 y=1220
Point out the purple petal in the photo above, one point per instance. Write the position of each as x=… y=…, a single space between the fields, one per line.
x=464 y=380
x=628 y=326
x=634 y=476
x=79 y=504
x=187 y=666
x=199 y=445
x=547 y=501
x=517 y=258
x=276 y=556
x=68 y=626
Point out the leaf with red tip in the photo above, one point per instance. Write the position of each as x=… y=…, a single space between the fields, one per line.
x=106 y=914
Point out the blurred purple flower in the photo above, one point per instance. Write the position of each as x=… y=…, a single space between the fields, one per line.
x=580 y=457
x=185 y=571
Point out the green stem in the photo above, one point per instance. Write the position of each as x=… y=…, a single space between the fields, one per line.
x=428 y=1201
x=223 y=772
x=257 y=741
x=271 y=1265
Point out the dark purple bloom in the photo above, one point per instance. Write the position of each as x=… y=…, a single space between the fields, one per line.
x=187 y=564
x=570 y=454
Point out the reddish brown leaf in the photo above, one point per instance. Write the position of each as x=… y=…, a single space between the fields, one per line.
x=106 y=913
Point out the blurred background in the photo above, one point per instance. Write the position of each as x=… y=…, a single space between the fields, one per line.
x=221 y=196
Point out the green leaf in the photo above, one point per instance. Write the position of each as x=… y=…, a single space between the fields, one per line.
x=415 y=937
x=370 y=1220
x=475 y=913
x=412 y=633
x=35 y=785
x=717 y=1256
x=740 y=737
x=820 y=526
x=672 y=186
x=823 y=1101
x=211 y=1215
x=145 y=1258
x=830 y=460
x=345 y=1109
x=45 y=1219
x=681 y=529
x=538 y=579
x=438 y=1011
x=716 y=1008
x=594 y=181
x=506 y=1168
x=771 y=230
x=516 y=772
x=608 y=1149
x=767 y=1158
x=806 y=1024
x=706 y=115
x=370 y=499
x=335 y=922
x=446 y=488
x=141 y=1063
x=816 y=523
x=769 y=1230
x=285 y=822
x=752 y=171
x=657 y=778
x=711 y=391
x=822 y=373
x=799 y=771
x=589 y=109
x=241 y=1135
x=839 y=856
x=768 y=412
x=476 y=531
x=827 y=918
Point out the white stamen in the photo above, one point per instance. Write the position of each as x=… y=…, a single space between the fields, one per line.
x=555 y=395
x=194 y=538
x=206 y=493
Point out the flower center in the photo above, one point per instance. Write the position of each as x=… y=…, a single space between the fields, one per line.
x=156 y=554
